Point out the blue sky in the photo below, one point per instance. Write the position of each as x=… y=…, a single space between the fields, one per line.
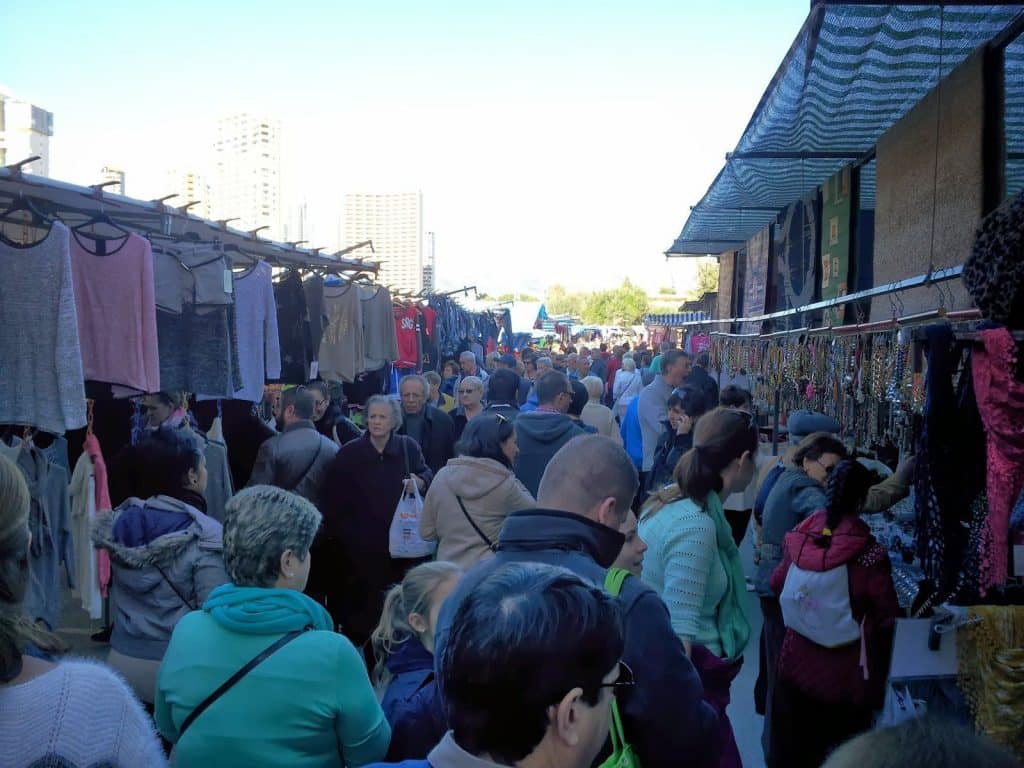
x=553 y=141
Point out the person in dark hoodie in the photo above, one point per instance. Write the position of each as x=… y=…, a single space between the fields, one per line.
x=166 y=555
x=542 y=432
x=702 y=380
x=403 y=645
x=328 y=416
x=830 y=693
x=585 y=496
x=503 y=394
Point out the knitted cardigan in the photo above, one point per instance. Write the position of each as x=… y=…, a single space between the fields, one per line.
x=76 y=715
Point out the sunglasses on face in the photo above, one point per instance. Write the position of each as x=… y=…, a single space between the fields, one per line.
x=626 y=679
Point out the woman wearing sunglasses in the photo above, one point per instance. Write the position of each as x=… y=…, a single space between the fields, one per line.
x=693 y=563
x=470 y=396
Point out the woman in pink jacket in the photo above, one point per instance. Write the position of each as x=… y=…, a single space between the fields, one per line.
x=839 y=606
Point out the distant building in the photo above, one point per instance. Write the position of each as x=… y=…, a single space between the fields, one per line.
x=394 y=222
x=110 y=173
x=246 y=182
x=190 y=186
x=25 y=131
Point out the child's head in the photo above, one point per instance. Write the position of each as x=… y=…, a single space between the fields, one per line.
x=411 y=609
x=846 y=490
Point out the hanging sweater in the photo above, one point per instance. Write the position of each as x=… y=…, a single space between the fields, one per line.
x=116 y=310
x=41 y=380
x=77 y=715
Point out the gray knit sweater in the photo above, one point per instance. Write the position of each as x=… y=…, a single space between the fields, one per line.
x=76 y=715
x=41 y=381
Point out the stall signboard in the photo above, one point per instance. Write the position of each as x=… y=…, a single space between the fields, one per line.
x=755 y=295
x=836 y=222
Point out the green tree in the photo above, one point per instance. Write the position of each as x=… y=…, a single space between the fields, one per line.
x=625 y=305
x=666 y=290
x=513 y=297
x=707 y=278
x=560 y=301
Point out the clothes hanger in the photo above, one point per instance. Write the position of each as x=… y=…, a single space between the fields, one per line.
x=101 y=217
x=37 y=220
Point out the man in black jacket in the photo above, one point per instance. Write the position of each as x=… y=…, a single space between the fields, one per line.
x=584 y=497
x=431 y=427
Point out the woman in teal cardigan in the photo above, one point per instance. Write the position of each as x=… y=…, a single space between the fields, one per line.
x=309 y=703
x=692 y=560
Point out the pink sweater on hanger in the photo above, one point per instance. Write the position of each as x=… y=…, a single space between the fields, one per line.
x=116 y=308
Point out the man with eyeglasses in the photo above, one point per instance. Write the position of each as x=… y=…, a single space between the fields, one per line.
x=430 y=427
x=328 y=417
x=530 y=672
x=542 y=432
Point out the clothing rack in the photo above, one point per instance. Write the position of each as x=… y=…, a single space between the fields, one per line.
x=157 y=219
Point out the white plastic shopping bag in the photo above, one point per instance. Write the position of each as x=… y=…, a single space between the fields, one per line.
x=404 y=537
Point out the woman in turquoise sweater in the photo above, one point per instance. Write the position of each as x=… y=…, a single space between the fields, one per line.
x=309 y=702
x=692 y=560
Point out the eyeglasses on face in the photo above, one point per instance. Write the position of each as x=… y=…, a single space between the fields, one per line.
x=466 y=391
x=626 y=679
x=827 y=467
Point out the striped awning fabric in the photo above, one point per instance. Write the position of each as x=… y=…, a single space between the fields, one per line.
x=852 y=72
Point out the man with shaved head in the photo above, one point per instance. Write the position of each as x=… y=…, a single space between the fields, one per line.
x=583 y=498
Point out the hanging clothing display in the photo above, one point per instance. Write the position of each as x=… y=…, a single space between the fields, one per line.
x=199 y=345
x=83 y=513
x=51 y=558
x=407 y=335
x=293 y=327
x=116 y=310
x=379 y=343
x=1001 y=402
x=313 y=287
x=41 y=381
x=259 y=351
x=341 y=352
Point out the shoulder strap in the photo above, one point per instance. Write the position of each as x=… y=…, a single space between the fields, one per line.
x=614 y=580
x=172 y=585
x=231 y=681
x=490 y=544
x=302 y=475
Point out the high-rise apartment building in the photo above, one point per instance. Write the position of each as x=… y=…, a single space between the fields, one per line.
x=246 y=181
x=190 y=186
x=116 y=175
x=394 y=222
x=25 y=131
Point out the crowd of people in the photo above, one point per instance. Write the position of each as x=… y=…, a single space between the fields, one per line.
x=585 y=603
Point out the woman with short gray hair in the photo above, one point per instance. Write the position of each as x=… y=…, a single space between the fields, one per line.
x=362 y=488
x=262 y=616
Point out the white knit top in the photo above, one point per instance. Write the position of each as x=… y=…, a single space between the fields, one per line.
x=76 y=715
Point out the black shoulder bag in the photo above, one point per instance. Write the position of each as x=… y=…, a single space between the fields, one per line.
x=231 y=681
x=490 y=544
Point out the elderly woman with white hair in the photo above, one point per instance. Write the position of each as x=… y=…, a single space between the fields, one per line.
x=596 y=415
x=362 y=488
x=258 y=677
x=628 y=383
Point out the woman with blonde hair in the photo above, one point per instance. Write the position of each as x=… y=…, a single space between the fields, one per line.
x=693 y=563
x=67 y=713
x=403 y=645
x=596 y=415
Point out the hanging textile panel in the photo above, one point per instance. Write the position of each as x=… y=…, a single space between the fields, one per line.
x=929 y=198
x=755 y=293
x=795 y=250
x=836 y=210
x=726 y=284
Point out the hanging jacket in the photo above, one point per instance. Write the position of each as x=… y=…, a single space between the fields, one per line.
x=411 y=704
x=167 y=557
x=835 y=674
